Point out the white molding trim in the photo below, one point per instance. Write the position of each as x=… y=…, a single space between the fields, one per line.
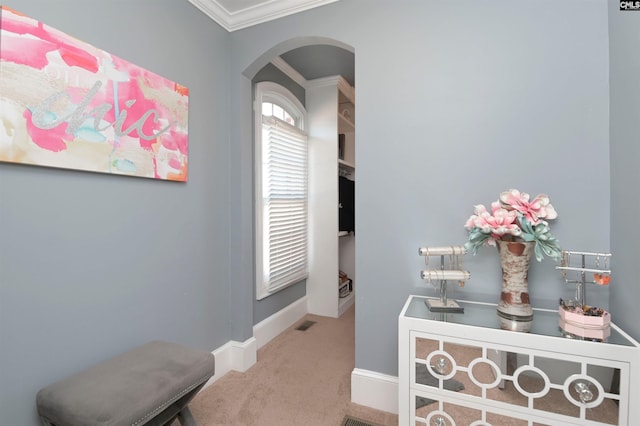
x=262 y=12
x=240 y=356
x=269 y=328
x=237 y=356
x=289 y=71
x=214 y=11
x=334 y=80
x=375 y=390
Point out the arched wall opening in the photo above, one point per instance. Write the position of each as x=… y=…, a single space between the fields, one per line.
x=288 y=45
x=312 y=58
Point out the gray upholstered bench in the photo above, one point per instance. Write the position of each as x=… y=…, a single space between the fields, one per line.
x=149 y=385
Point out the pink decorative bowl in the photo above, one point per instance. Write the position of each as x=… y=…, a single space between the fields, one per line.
x=588 y=333
x=585 y=321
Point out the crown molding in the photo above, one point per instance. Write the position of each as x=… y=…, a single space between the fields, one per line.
x=266 y=11
x=334 y=80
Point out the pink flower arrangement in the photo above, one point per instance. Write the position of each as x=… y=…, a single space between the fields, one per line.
x=514 y=217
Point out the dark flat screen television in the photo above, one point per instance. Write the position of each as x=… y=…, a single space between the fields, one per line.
x=346 y=204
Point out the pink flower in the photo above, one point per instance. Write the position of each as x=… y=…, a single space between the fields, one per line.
x=514 y=218
x=535 y=210
x=498 y=223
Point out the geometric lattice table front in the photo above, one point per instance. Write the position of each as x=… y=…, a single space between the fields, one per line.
x=510 y=378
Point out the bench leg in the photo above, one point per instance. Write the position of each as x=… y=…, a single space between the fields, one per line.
x=186 y=418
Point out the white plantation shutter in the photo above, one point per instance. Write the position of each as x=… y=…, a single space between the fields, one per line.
x=281 y=194
x=284 y=192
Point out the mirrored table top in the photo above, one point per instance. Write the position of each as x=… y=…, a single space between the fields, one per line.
x=545 y=322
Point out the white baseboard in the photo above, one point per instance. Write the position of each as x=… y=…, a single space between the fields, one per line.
x=375 y=390
x=368 y=388
x=269 y=328
x=240 y=356
x=236 y=356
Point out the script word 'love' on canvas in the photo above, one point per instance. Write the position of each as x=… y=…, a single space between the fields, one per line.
x=67 y=104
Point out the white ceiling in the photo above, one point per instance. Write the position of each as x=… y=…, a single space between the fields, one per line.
x=237 y=14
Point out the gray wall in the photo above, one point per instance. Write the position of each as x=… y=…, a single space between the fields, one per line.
x=624 y=40
x=92 y=264
x=456 y=102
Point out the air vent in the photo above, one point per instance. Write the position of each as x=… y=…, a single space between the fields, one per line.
x=352 y=421
x=305 y=325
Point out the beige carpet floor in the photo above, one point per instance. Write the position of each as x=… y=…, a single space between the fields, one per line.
x=301 y=378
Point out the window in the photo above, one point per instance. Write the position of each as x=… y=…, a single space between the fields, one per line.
x=281 y=190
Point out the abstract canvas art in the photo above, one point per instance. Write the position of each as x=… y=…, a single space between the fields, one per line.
x=67 y=104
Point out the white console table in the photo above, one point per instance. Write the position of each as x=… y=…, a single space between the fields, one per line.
x=462 y=369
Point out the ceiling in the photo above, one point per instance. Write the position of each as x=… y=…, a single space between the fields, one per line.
x=322 y=60
x=237 y=14
x=309 y=62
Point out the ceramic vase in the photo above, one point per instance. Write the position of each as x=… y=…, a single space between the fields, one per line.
x=514 y=308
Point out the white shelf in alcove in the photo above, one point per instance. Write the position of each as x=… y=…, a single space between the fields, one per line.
x=345 y=124
x=346 y=302
x=343 y=233
x=346 y=165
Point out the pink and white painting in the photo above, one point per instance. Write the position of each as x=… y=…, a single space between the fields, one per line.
x=67 y=104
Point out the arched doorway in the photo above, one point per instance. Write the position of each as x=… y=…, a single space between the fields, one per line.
x=296 y=64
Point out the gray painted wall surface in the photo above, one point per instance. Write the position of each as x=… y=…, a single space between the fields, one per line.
x=624 y=41
x=271 y=73
x=92 y=264
x=456 y=102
